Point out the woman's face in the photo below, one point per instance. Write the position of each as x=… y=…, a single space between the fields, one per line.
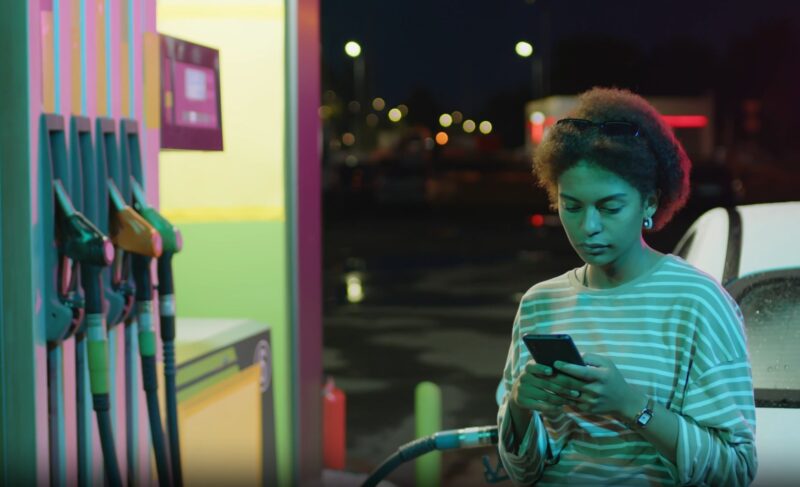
x=601 y=213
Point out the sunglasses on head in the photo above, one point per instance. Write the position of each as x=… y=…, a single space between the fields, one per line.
x=611 y=127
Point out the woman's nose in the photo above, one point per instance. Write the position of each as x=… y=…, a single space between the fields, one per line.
x=591 y=221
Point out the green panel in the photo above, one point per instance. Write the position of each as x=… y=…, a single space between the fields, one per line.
x=17 y=317
x=232 y=270
x=238 y=270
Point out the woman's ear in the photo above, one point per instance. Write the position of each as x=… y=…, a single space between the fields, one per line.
x=651 y=202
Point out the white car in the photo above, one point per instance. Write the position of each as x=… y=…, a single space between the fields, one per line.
x=753 y=251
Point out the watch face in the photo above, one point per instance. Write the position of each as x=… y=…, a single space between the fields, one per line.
x=644 y=418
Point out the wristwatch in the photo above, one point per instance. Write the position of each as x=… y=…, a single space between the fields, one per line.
x=645 y=415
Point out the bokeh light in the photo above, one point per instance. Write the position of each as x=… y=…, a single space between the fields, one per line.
x=445 y=120
x=441 y=138
x=352 y=48
x=395 y=115
x=485 y=127
x=378 y=104
x=524 y=49
x=348 y=139
x=468 y=126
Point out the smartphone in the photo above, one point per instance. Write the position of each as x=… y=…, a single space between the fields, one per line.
x=546 y=349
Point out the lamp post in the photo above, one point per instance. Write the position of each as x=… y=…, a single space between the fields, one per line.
x=524 y=49
x=353 y=49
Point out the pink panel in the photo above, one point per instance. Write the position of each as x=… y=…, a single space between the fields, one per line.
x=64 y=46
x=91 y=60
x=112 y=57
x=309 y=261
x=35 y=74
x=136 y=39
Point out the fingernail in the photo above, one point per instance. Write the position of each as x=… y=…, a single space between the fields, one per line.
x=548 y=370
x=575 y=393
x=558 y=364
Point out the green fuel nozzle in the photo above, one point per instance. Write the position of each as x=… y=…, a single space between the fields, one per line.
x=81 y=240
x=172 y=242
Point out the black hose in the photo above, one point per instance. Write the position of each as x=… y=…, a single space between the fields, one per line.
x=166 y=289
x=151 y=392
x=407 y=452
x=84 y=473
x=101 y=408
x=93 y=287
x=168 y=322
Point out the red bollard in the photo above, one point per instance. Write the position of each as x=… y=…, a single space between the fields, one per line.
x=333 y=426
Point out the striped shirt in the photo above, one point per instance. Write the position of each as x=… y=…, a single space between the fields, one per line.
x=675 y=334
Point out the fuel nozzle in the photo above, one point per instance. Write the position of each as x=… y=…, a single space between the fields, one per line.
x=170 y=235
x=81 y=240
x=131 y=232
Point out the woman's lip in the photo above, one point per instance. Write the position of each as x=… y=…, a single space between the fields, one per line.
x=594 y=247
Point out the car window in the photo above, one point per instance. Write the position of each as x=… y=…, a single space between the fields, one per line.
x=771 y=309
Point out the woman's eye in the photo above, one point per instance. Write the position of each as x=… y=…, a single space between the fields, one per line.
x=572 y=208
x=612 y=210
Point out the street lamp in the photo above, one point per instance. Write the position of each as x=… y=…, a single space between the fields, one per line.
x=525 y=50
x=445 y=120
x=353 y=49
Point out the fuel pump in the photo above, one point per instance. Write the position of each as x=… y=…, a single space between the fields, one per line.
x=71 y=240
x=172 y=243
x=137 y=242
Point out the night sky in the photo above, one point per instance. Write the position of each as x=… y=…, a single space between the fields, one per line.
x=462 y=51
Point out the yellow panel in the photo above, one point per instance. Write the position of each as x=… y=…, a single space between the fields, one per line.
x=233 y=214
x=124 y=79
x=221 y=432
x=48 y=66
x=230 y=10
x=250 y=171
x=152 y=80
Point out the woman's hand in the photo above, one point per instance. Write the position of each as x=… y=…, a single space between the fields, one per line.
x=539 y=388
x=603 y=389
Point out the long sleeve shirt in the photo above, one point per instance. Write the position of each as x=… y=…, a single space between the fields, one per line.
x=675 y=334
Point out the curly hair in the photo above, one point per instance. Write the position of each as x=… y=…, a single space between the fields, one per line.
x=653 y=162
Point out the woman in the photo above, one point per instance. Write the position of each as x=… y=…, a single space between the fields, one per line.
x=666 y=395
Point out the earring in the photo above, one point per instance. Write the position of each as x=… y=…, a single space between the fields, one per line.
x=648 y=223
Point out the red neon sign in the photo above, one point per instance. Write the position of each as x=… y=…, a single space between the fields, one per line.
x=686 y=121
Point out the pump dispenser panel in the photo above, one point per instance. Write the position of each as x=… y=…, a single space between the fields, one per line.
x=116 y=290
x=62 y=298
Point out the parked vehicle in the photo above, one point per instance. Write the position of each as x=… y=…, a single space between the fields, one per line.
x=753 y=251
